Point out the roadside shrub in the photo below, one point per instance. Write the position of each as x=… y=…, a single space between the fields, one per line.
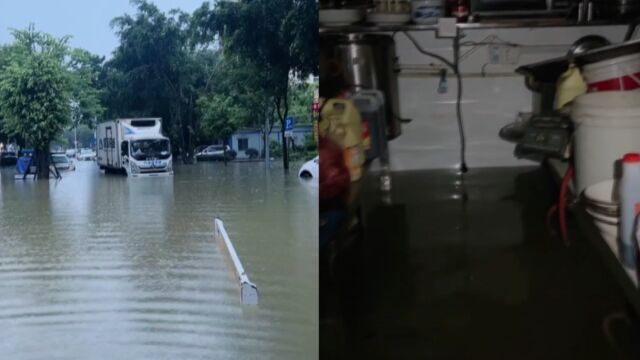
x=275 y=149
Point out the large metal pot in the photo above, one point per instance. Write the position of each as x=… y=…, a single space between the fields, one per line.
x=351 y=62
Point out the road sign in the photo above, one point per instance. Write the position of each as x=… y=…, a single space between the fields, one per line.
x=288 y=127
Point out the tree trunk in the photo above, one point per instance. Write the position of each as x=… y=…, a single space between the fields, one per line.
x=285 y=151
x=283 y=120
x=182 y=129
x=42 y=157
x=190 y=131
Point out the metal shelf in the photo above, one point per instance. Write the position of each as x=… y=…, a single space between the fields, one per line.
x=364 y=28
x=488 y=24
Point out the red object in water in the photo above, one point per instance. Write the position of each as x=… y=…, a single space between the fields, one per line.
x=334 y=174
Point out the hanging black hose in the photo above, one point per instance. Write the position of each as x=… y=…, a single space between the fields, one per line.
x=455 y=68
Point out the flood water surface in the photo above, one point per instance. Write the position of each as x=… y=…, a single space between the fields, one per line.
x=107 y=267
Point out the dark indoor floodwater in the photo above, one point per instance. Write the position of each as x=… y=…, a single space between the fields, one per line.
x=102 y=266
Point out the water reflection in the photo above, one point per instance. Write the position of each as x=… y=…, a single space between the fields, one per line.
x=98 y=266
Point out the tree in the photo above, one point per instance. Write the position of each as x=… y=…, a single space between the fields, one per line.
x=280 y=37
x=35 y=91
x=156 y=71
x=231 y=101
x=85 y=69
x=301 y=95
x=219 y=116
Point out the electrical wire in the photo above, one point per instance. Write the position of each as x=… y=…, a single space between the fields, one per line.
x=456 y=71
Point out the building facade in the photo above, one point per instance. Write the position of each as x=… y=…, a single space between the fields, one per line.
x=245 y=139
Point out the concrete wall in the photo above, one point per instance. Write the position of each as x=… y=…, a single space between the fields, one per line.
x=492 y=94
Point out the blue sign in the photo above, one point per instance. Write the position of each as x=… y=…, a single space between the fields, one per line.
x=288 y=124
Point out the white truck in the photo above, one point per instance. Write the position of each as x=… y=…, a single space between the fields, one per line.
x=134 y=146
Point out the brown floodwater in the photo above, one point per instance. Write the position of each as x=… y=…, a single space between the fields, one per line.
x=99 y=266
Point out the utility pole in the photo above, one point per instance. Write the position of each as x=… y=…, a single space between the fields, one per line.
x=266 y=142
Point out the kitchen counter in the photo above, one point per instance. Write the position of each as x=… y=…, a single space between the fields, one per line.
x=608 y=249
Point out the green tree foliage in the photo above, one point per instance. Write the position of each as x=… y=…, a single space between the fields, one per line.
x=219 y=115
x=35 y=91
x=301 y=95
x=157 y=71
x=234 y=99
x=86 y=102
x=279 y=37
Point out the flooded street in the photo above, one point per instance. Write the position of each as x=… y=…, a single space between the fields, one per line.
x=107 y=267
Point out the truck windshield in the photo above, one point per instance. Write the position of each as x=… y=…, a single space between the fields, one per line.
x=150 y=149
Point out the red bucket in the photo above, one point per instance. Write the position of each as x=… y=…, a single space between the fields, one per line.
x=617 y=74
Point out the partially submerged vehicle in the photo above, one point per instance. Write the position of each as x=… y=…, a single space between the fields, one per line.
x=310 y=170
x=216 y=153
x=8 y=158
x=135 y=147
x=62 y=162
x=86 y=154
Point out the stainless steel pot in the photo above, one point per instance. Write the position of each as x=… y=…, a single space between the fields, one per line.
x=350 y=62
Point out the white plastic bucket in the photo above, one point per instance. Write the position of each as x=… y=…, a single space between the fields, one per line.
x=617 y=74
x=604 y=193
x=607 y=126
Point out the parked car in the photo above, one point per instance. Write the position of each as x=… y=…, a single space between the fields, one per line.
x=86 y=154
x=310 y=170
x=62 y=162
x=216 y=153
x=199 y=148
x=8 y=158
x=71 y=152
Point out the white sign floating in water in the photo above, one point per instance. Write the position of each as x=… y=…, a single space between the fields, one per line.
x=248 y=290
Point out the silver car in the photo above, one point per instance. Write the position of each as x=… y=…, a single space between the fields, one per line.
x=86 y=154
x=62 y=162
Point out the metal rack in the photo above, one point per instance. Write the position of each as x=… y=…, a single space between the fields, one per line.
x=494 y=24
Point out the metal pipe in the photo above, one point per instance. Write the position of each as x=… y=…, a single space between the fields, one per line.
x=248 y=290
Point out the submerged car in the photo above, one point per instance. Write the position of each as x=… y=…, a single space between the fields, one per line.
x=310 y=170
x=62 y=162
x=8 y=158
x=86 y=154
x=71 y=152
x=216 y=153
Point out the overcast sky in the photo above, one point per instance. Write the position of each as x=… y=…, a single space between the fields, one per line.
x=87 y=21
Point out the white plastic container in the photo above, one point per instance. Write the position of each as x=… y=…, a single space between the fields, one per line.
x=617 y=74
x=607 y=126
x=629 y=206
x=602 y=204
x=426 y=12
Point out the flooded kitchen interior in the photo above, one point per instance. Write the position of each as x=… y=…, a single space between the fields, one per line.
x=507 y=259
x=97 y=264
